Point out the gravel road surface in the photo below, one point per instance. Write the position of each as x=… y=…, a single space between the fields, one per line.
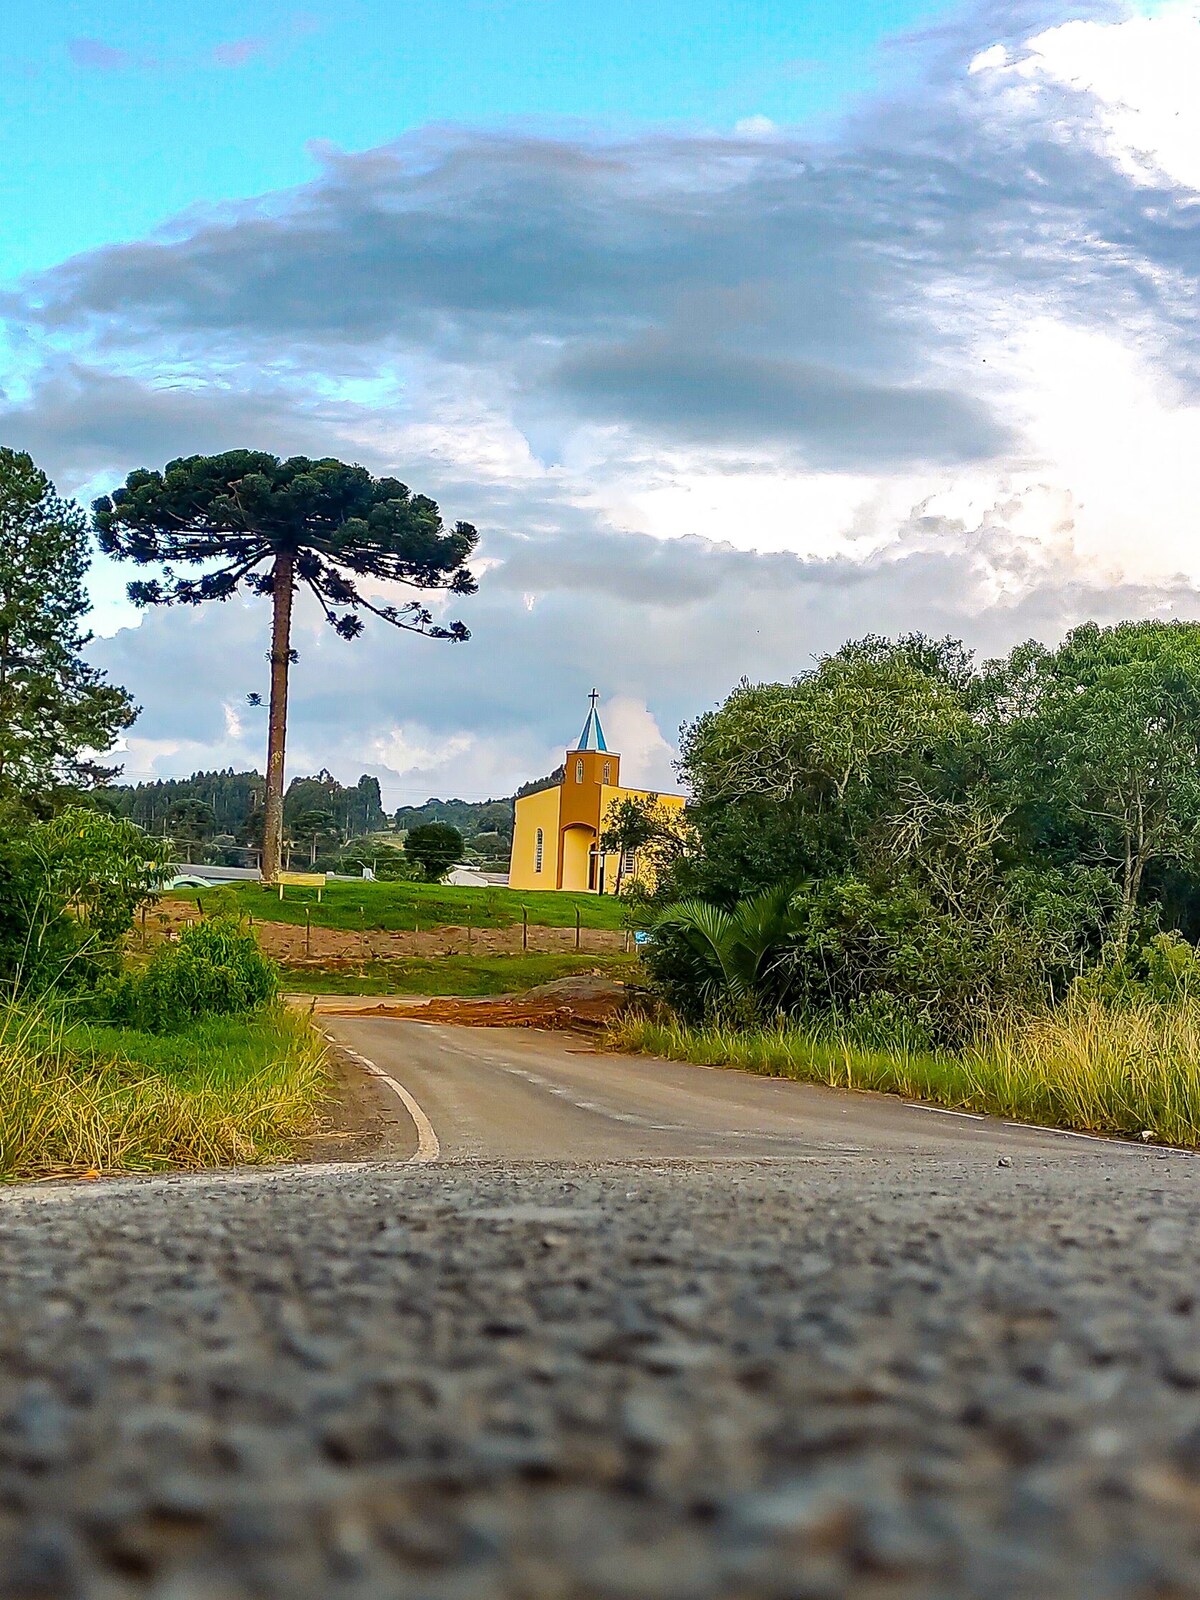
x=637 y=1330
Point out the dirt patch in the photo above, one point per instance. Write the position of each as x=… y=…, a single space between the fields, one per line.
x=364 y=1121
x=294 y=946
x=578 y=1003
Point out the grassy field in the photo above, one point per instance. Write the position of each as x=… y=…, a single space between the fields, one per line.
x=455 y=975
x=80 y=1098
x=1097 y=1070
x=405 y=906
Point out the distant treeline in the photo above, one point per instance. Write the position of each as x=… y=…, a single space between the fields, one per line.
x=486 y=825
x=236 y=798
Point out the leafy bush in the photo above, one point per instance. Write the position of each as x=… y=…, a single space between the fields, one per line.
x=1165 y=969
x=214 y=969
x=884 y=961
x=37 y=941
x=386 y=861
x=102 y=867
x=222 y=902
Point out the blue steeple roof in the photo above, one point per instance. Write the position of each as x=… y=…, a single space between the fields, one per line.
x=592 y=737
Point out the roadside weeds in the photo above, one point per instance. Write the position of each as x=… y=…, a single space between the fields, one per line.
x=1132 y=1071
x=84 y=1100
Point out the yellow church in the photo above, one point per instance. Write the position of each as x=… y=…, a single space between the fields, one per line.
x=556 y=835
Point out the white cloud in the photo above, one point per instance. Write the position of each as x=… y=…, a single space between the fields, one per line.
x=691 y=389
x=1141 y=73
x=646 y=756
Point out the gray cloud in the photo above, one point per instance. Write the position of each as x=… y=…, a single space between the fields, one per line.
x=687 y=388
x=79 y=419
x=794 y=301
x=673 y=623
x=826 y=293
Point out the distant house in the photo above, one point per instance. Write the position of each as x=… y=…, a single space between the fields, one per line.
x=466 y=878
x=556 y=836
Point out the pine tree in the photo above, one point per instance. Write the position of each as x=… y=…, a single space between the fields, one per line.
x=56 y=711
x=276 y=527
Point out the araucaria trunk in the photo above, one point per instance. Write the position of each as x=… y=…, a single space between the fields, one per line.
x=281 y=654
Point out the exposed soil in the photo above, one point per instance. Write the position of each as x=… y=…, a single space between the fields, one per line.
x=296 y=946
x=584 y=1003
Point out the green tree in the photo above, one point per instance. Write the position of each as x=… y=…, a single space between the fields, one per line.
x=102 y=868
x=435 y=847
x=54 y=707
x=790 y=781
x=314 y=829
x=1102 y=737
x=656 y=836
x=273 y=526
x=190 y=823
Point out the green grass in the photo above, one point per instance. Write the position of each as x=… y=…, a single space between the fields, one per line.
x=454 y=975
x=405 y=906
x=85 y=1098
x=1083 y=1066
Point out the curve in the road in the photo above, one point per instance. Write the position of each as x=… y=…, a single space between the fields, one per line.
x=518 y=1094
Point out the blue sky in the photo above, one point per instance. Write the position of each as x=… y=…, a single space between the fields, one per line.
x=117 y=114
x=737 y=329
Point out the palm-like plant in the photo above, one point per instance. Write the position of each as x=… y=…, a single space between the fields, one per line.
x=740 y=947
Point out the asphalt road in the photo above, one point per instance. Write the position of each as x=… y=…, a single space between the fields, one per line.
x=622 y=1330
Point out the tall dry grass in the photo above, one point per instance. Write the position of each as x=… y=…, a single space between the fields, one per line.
x=78 y=1099
x=1087 y=1066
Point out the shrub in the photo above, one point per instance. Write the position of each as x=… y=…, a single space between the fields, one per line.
x=215 y=969
x=1165 y=969
x=223 y=902
x=103 y=867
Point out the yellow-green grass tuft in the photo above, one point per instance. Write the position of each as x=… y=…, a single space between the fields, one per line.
x=1087 y=1066
x=93 y=1099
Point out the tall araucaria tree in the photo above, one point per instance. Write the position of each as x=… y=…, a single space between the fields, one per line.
x=253 y=521
x=56 y=711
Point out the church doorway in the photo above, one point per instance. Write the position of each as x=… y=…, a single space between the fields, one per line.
x=577 y=845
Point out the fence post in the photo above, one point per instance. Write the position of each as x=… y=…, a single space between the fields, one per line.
x=307 y=931
x=468 y=930
x=143 y=927
x=577 y=927
x=524 y=928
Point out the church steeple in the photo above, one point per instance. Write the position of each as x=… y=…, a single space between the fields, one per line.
x=592 y=737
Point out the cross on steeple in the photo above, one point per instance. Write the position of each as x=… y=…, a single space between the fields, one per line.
x=592 y=737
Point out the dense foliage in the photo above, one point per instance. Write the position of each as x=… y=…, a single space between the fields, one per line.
x=55 y=709
x=435 y=847
x=936 y=841
x=215 y=968
x=69 y=889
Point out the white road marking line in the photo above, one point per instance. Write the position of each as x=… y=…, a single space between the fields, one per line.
x=428 y=1147
x=943 y=1111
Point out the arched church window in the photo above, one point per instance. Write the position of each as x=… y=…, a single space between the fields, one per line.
x=579 y=772
x=608 y=772
x=537 y=858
